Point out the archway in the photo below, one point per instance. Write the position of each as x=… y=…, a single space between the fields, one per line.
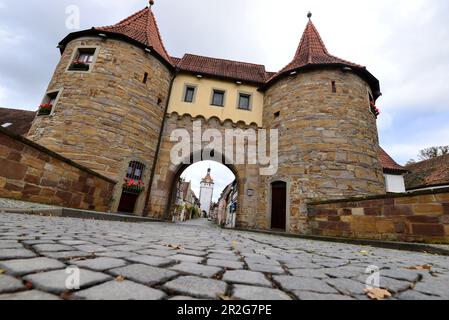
x=204 y=189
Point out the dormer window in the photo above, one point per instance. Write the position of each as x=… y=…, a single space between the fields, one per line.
x=83 y=60
x=48 y=104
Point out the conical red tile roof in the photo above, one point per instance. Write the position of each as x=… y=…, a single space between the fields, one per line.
x=312 y=51
x=142 y=27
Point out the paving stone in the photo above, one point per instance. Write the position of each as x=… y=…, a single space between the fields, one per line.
x=262 y=261
x=29 y=295
x=7 y=254
x=438 y=287
x=10 y=284
x=182 y=298
x=193 y=253
x=157 y=253
x=301 y=265
x=99 y=264
x=124 y=290
x=347 y=286
x=67 y=254
x=25 y=266
x=197 y=287
x=407 y=275
x=266 y=268
x=126 y=248
x=415 y=295
x=144 y=274
x=223 y=257
x=33 y=242
x=313 y=296
x=186 y=258
x=152 y=261
x=225 y=264
x=258 y=293
x=309 y=273
x=91 y=248
x=196 y=269
x=115 y=254
x=10 y=245
x=73 y=242
x=55 y=281
x=246 y=277
x=52 y=247
x=303 y=284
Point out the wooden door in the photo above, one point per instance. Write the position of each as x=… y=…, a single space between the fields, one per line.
x=128 y=202
x=279 y=205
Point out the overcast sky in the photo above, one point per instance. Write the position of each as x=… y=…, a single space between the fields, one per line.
x=404 y=43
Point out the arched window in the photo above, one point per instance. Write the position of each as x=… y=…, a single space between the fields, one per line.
x=135 y=170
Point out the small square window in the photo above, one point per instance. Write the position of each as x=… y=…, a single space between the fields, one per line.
x=277 y=114
x=244 y=101
x=46 y=108
x=83 y=59
x=218 y=98
x=189 y=95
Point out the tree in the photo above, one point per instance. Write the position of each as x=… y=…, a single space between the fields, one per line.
x=410 y=162
x=433 y=152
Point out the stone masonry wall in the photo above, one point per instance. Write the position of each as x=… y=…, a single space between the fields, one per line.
x=107 y=117
x=30 y=172
x=328 y=142
x=420 y=217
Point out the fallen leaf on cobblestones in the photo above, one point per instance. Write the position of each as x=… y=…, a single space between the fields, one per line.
x=424 y=267
x=225 y=297
x=120 y=279
x=173 y=246
x=28 y=285
x=377 y=293
x=364 y=252
x=2 y=271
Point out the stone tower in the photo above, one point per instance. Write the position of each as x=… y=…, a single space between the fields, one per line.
x=108 y=96
x=206 y=193
x=328 y=140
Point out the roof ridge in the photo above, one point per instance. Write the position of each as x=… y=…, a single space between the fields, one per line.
x=223 y=59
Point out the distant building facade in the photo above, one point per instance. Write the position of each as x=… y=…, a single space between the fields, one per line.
x=206 y=193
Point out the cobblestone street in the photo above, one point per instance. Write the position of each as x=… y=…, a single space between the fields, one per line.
x=155 y=261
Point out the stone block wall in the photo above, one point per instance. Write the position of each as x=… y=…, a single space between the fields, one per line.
x=328 y=141
x=30 y=172
x=412 y=217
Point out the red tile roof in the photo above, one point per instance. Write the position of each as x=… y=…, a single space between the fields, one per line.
x=234 y=70
x=20 y=120
x=389 y=165
x=433 y=172
x=143 y=28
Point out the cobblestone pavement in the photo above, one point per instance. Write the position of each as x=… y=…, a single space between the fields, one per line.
x=16 y=204
x=196 y=261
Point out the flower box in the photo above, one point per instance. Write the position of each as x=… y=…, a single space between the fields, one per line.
x=133 y=186
x=45 y=109
x=375 y=110
x=79 y=66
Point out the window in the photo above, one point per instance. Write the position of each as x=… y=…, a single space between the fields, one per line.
x=277 y=114
x=189 y=94
x=244 y=101
x=218 y=98
x=135 y=170
x=83 y=60
x=48 y=104
x=145 y=77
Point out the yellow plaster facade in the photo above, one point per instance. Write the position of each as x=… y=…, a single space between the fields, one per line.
x=202 y=100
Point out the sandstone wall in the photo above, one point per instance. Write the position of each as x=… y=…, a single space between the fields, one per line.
x=421 y=217
x=328 y=144
x=107 y=117
x=30 y=172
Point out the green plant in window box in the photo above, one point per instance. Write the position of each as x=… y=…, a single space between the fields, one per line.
x=45 y=109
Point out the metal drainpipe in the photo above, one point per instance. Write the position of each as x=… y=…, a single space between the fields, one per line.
x=156 y=156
